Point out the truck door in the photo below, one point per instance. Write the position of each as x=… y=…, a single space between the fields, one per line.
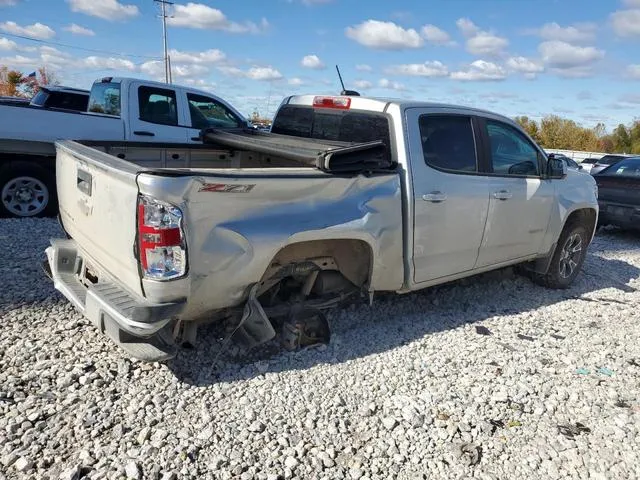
x=450 y=196
x=520 y=200
x=154 y=115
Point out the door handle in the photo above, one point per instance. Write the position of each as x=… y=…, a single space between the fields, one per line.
x=84 y=182
x=434 y=197
x=502 y=195
x=144 y=133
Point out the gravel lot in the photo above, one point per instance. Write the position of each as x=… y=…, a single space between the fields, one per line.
x=407 y=389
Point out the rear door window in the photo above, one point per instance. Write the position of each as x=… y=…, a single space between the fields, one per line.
x=157 y=105
x=448 y=143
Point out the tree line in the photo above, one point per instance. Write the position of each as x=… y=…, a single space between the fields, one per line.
x=14 y=83
x=560 y=133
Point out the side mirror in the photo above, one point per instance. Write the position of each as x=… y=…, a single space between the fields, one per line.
x=556 y=168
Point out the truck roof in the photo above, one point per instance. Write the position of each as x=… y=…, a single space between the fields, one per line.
x=381 y=104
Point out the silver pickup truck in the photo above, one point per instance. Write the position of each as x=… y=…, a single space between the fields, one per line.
x=346 y=196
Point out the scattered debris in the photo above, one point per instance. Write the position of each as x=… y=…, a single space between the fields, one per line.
x=525 y=337
x=571 y=431
x=634 y=362
x=605 y=371
x=515 y=405
x=583 y=371
x=444 y=416
x=481 y=330
x=496 y=424
x=515 y=423
x=469 y=453
x=558 y=337
x=622 y=404
x=593 y=325
x=507 y=346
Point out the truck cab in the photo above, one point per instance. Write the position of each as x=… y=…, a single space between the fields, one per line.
x=119 y=109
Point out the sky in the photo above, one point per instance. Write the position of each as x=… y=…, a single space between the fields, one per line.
x=579 y=59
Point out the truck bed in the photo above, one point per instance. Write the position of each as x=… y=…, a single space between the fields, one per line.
x=240 y=208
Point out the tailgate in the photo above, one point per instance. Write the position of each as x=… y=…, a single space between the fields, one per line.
x=97 y=195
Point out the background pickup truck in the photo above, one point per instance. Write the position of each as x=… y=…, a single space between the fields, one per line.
x=119 y=109
x=347 y=196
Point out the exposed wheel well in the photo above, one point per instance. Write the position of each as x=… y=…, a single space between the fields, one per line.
x=352 y=258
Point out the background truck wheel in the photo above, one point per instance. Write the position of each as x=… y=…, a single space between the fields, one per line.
x=27 y=190
x=567 y=259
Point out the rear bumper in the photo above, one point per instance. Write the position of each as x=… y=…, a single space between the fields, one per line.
x=627 y=216
x=132 y=322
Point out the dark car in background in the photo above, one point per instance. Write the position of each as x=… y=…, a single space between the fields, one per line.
x=571 y=163
x=64 y=98
x=619 y=194
x=605 y=162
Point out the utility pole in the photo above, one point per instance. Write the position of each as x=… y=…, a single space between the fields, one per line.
x=167 y=63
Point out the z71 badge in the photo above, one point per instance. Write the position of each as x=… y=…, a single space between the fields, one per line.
x=226 y=187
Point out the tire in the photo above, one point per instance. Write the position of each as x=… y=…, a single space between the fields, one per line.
x=27 y=190
x=567 y=259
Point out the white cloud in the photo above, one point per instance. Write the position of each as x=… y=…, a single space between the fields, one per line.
x=105 y=9
x=363 y=84
x=426 y=69
x=563 y=55
x=480 y=42
x=467 y=27
x=200 y=16
x=37 y=30
x=436 y=36
x=296 y=82
x=79 y=30
x=626 y=23
x=385 y=83
x=108 y=63
x=312 y=62
x=208 y=56
x=189 y=70
x=264 y=73
x=7 y=3
x=267 y=73
x=364 y=68
x=384 y=36
x=486 y=44
x=634 y=71
x=529 y=68
x=480 y=70
x=6 y=44
x=576 y=33
x=632 y=3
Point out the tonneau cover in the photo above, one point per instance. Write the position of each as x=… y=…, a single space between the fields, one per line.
x=328 y=156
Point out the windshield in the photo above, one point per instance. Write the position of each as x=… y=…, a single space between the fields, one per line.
x=625 y=168
x=40 y=99
x=609 y=160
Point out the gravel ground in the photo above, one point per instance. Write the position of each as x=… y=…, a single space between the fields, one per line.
x=471 y=380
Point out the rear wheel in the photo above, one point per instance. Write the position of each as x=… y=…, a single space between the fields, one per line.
x=27 y=190
x=567 y=259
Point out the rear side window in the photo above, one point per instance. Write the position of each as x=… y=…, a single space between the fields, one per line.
x=105 y=98
x=338 y=125
x=610 y=159
x=448 y=143
x=624 y=168
x=157 y=105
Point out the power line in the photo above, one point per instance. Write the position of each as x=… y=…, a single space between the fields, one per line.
x=65 y=45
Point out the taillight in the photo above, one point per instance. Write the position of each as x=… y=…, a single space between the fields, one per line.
x=340 y=103
x=161 y=240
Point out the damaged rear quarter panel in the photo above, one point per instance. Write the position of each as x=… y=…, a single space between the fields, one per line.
x=233 y=236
